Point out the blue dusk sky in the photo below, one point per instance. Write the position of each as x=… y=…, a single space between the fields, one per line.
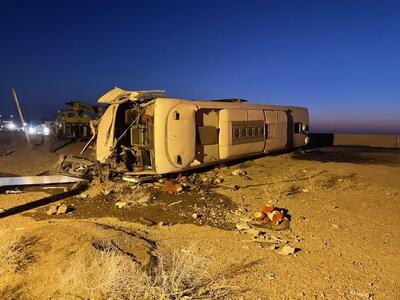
x=341 y=59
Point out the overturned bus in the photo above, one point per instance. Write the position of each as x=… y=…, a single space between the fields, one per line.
x=148 y=133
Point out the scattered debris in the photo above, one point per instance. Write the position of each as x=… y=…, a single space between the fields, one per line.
x=174 y=203
x=121 y=204
x=238 y=172
x=287 y=250
x=52 y=210
x=62 y=209
x=361 y=294
x=13 y=192
x=59 y=209
x=76 y=166
x=170 y=187
x=266 y=208
x=271 y=276
x=132 y=177
x=270 y=217
x=276 y=217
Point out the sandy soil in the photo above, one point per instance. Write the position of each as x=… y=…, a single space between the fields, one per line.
x=344 y=205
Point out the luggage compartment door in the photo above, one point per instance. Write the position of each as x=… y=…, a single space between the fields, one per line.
x=276 y=125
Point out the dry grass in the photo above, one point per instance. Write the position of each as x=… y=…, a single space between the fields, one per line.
x=15 y=253
x=110 y=274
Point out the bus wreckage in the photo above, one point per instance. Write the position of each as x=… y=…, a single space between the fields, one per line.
x=146 y=133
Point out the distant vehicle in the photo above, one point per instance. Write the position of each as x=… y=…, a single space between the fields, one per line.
x=9 y=124
x=75 y=120
x=148 y=133
x=42 y=129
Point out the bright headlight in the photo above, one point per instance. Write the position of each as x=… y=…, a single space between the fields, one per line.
x=46 y=130
x=31 y=130
x=11 y=125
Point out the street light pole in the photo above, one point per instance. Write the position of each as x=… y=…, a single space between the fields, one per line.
x=28 y=140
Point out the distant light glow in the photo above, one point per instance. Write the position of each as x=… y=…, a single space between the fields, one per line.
x=46 y=131
x=11 y=126
x=31 y=130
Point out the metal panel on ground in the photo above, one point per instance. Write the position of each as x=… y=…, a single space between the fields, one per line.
x=37 y=180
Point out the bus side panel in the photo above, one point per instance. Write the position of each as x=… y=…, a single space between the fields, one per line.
x=237 y=136
x=276 y=130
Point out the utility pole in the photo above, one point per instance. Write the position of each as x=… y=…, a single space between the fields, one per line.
x=28 y=140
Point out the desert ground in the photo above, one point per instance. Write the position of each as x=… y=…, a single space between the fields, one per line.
x=121 y=240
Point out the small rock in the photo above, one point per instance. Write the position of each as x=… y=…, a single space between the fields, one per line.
x=335 y=226
x=121 y=204
x=361 y=294
x=105 y=192
x=62 y=209
x=52 y=210
x=84 y=195
x=305 y=190
x=161 y=224
x=238 y=172
x=242 y=226
x=195 y=216
x=271 y=276
x=287 y=250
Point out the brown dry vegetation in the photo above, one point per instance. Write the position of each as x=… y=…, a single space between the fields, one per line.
x=109 y=274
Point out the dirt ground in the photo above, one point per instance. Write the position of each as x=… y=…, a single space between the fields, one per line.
x=343 y=205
